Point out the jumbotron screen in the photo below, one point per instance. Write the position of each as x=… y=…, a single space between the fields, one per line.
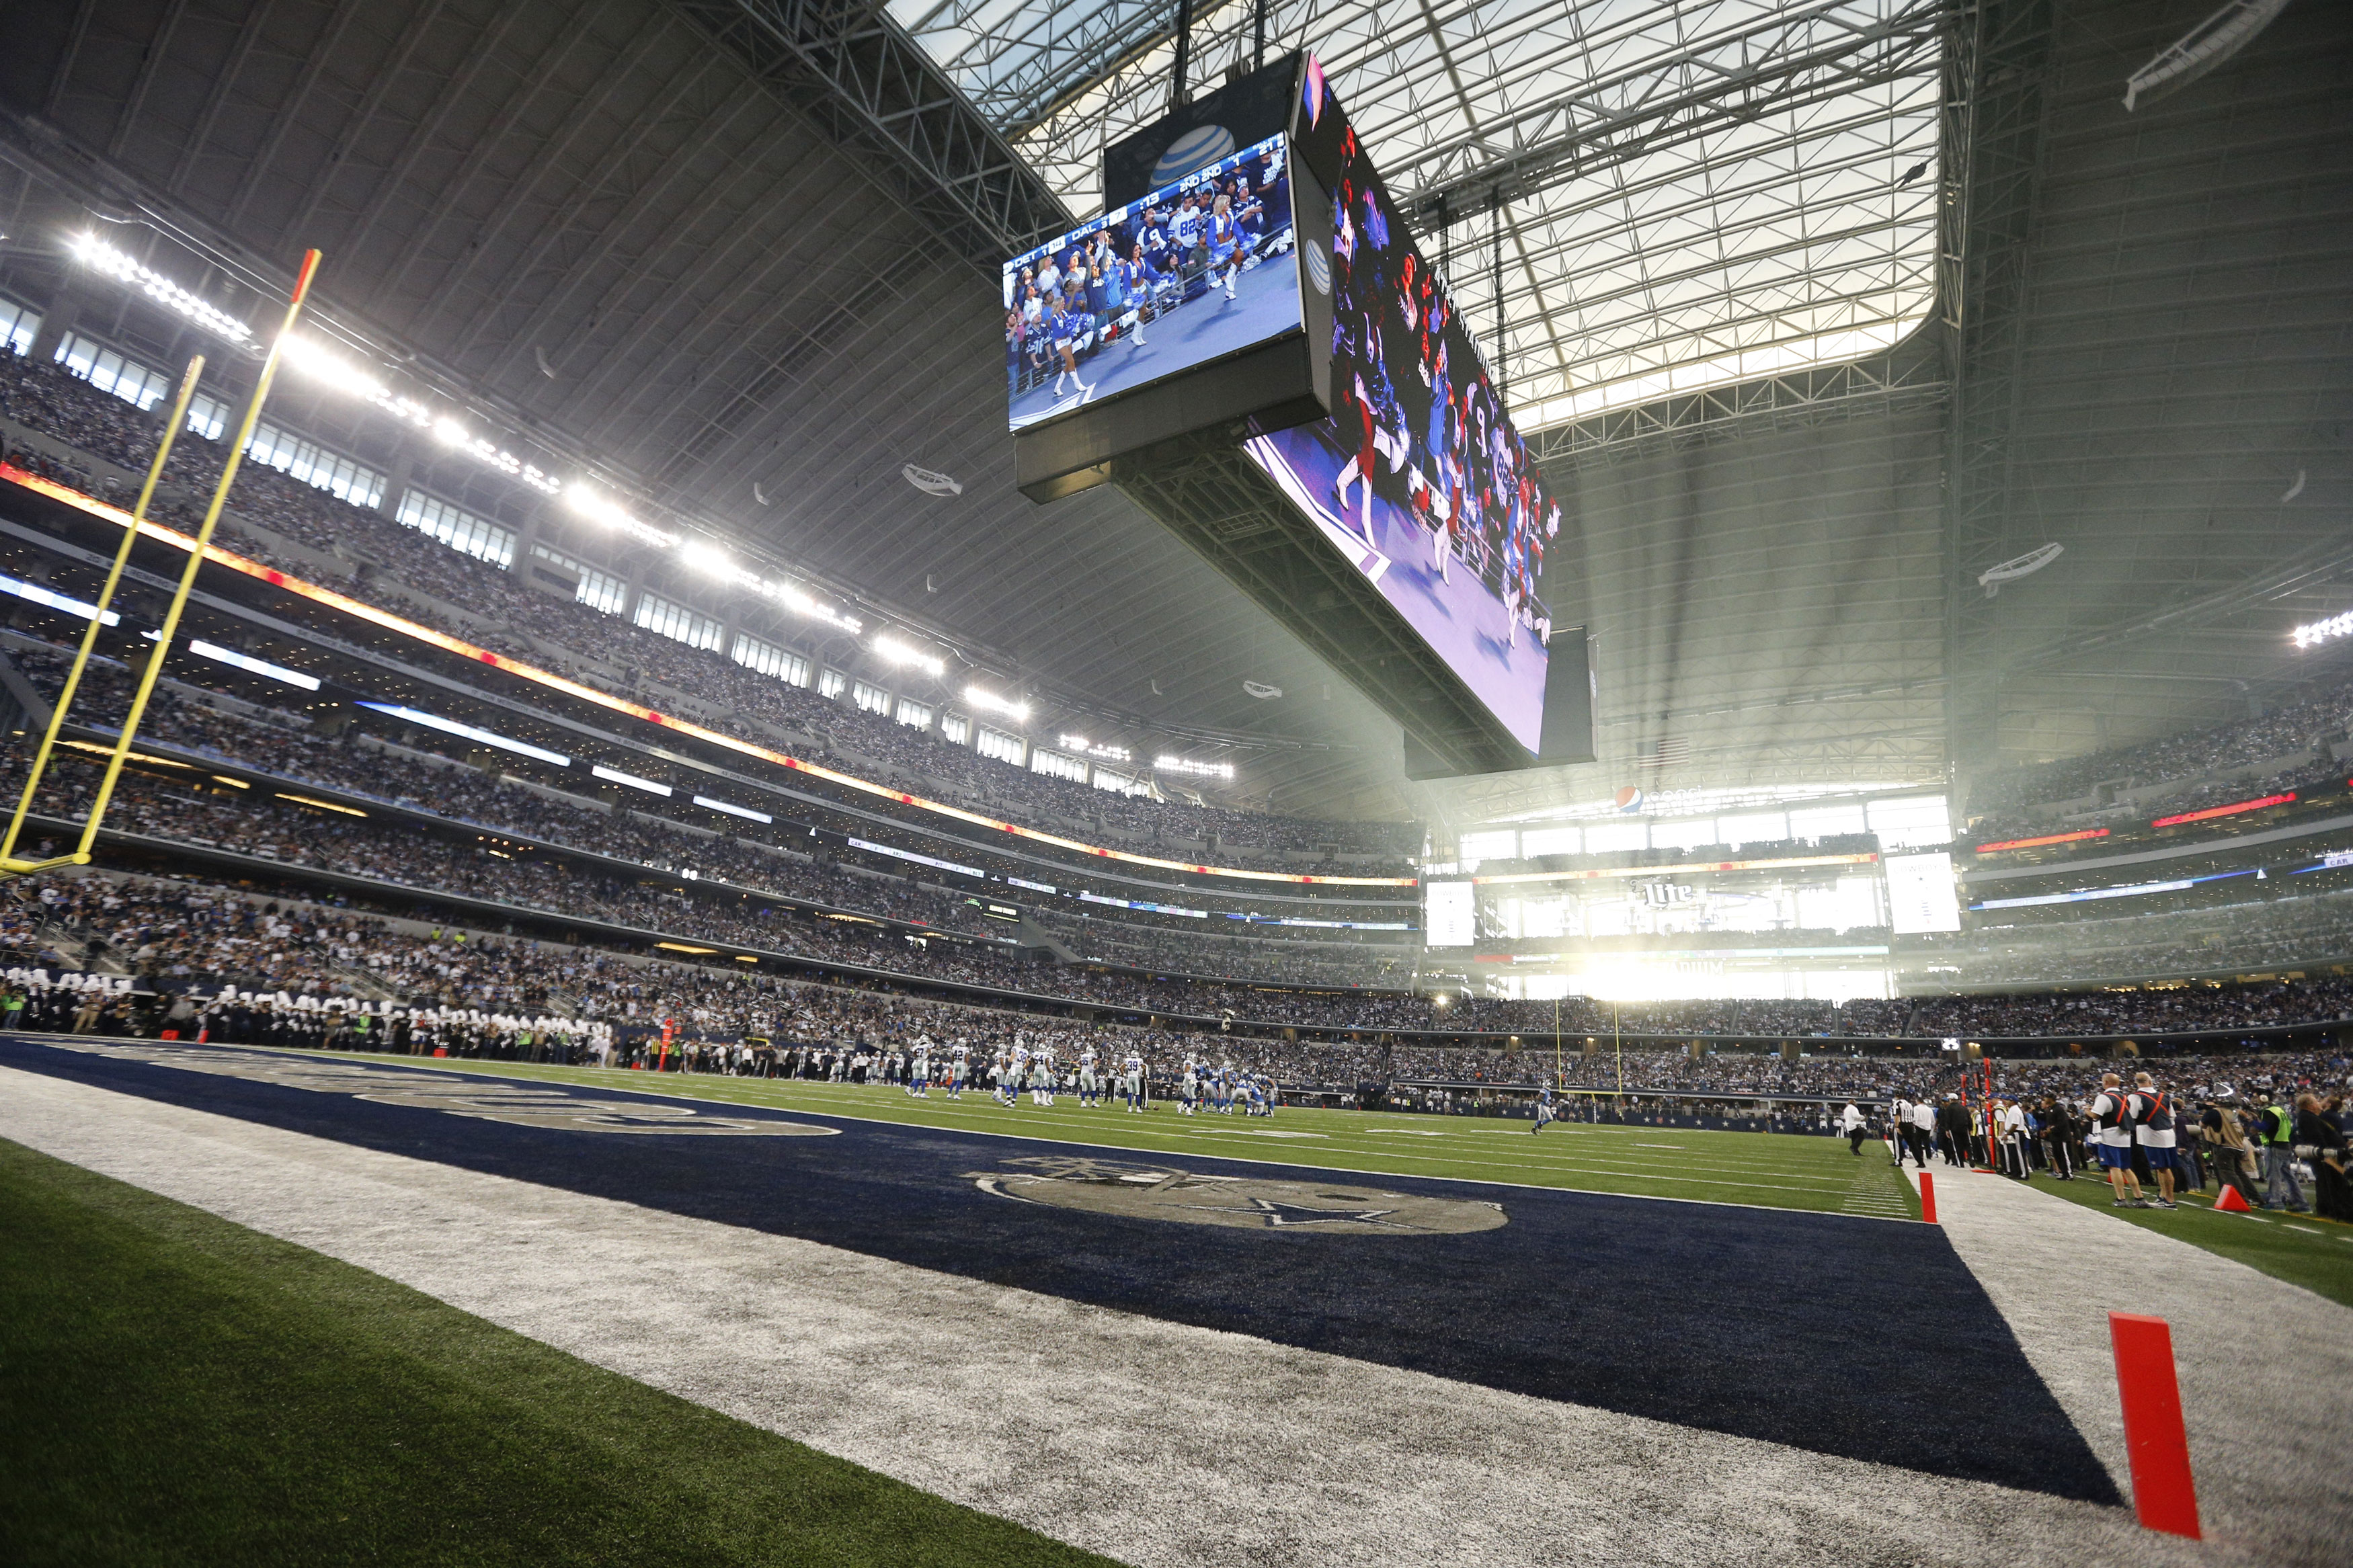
x=1200 y=269
x=1418 y=478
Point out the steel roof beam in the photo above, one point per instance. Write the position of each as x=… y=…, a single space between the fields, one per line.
x=1666 y=101
x=873 y=89
x=1911 y=374
x=1064 y=54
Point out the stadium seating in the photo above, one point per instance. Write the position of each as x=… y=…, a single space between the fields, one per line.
x=306 y=531
x=427 y=580
x=2248 y=758
x=202 y=938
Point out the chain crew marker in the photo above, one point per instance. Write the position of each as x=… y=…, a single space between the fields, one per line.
x=2165 y=1496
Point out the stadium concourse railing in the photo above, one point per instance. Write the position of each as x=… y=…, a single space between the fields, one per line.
x=400 y=625
x=691 y=946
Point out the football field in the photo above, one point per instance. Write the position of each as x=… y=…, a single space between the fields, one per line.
x=286 y=1306
x=1788 y=1170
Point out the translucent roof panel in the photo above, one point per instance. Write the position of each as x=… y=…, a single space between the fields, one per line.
x=1692 y=194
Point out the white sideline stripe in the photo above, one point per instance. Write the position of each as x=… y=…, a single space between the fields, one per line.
x=1161 y=1444
x=2264 y=1364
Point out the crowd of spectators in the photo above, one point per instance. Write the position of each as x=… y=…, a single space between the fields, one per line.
x=282 y=743
x=2253 y=933
x=253 y=969
x=2308 y=726
x=499 y=870
x=546 y=628
x=502 y=612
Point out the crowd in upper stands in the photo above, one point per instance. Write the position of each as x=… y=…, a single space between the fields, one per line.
x=433 y=582
x=504 y=613
x=2256 y=933
x=281 y=742
x=2308 y=726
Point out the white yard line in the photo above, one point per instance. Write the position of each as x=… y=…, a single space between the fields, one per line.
x=2263 y=1365
x=1161 y=1444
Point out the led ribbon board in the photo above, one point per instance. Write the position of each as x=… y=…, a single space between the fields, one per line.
x=2234 y=809
x=2076 y=837
x=552 y=682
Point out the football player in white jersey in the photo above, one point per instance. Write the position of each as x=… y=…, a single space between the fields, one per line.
x=1189 y=1087
x=959 y=1069
x=1042 y=1074
x=1090 y=1086
x=919 y=1069
x=1131 y=1081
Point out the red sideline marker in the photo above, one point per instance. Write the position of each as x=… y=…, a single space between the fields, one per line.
x=2165 y=1498
x=2233 y=1201
x=1927 y=1198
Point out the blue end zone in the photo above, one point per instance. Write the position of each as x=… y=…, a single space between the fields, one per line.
x=1860 y=1338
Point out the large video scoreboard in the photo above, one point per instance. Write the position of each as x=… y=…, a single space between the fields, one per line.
x=1256 y=351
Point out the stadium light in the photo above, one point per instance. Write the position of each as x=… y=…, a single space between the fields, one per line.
x=2312 y=633
x=988 y=701
x=732 y=809
x=250 y=665
x=1168 y=764
x=100 y=257
x=614 y=775
x=314 y=359
x=890 y=650
x=1108 y=753
x=705 y=556
x=468 y=732
x=43 y=596
x=795 y=598
x=597 y=507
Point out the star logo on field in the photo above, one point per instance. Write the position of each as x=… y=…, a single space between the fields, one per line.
x=1278 y=1215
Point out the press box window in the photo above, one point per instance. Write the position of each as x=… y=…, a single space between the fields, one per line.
x=913 y=714
x=769 y=659
x=315 y=465
x=1057 y=765
x=871 y=697
x=675 y=622
x=831 y=684
x=207 y=416
x=956 y=729
x=597 y=590
x=19 y=324
x=461 y=531
x=1005 y=748
x=135 y=383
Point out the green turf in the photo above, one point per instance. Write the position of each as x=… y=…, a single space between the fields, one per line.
x=2317 y=1254
x=1788 y=1170
x=177 y=1389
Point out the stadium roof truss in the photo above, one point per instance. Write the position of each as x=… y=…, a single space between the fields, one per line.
x=1666 y=197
